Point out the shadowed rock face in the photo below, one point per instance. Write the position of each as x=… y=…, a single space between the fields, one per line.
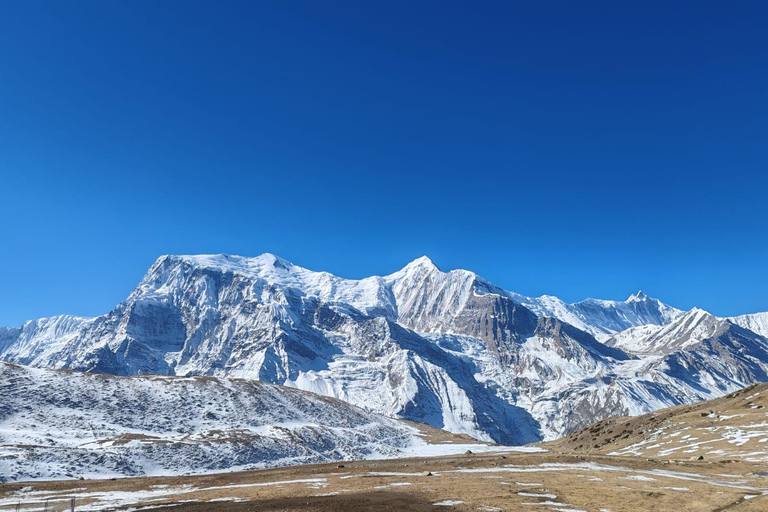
x=156 y=323
x=498 y=321
x=445 y=348
x=8 y=336
x=731 y=354
x=570 y=342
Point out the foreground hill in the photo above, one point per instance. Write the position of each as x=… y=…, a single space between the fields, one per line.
x=62 y=424
x=734 y=427
x=448 y=349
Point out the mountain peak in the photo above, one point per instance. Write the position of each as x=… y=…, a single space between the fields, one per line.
x=424 y=262
x=637 y=297
x=698 y=314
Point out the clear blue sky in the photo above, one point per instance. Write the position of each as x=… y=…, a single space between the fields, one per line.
x=569 y=148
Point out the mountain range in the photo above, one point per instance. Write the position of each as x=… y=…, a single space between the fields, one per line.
x=449 y=349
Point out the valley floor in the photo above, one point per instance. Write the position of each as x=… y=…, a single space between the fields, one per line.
x=493 y=481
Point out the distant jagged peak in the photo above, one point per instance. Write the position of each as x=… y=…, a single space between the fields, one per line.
x=638 y=297
x=603 y=318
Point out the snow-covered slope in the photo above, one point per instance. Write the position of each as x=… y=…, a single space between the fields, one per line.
x=448 y=349
x=688 y=330
x=603 y=318
x=43 y=339
x=701 y=350
x=8 y=336
x=755 y=322
x=60 y=424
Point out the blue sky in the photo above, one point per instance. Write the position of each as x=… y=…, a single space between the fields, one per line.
x=581 y=149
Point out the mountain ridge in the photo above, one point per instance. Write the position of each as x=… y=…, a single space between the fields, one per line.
x=446 y=348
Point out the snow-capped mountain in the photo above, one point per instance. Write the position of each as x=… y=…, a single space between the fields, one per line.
x=603 y=318
x=56 y=424
x=699 y=349
x=685 y=332
x=45 y=338
x=449 y=349
x=694 y=332
x=755 y=322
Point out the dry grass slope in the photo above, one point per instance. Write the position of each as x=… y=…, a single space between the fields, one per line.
x=734 y=427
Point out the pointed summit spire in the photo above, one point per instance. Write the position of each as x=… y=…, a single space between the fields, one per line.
x=423 y=262
x=637 y=297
